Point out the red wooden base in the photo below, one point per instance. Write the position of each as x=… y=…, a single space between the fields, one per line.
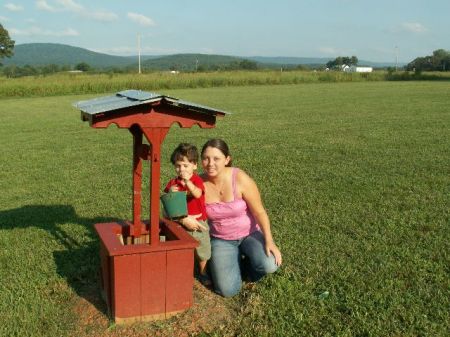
x=142 y=282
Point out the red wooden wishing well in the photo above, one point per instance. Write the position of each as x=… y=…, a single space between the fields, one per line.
x=146 y=266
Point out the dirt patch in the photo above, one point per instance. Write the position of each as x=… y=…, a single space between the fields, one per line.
x=209 y=314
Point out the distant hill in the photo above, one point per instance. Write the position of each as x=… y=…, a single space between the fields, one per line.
x=289 y=60
x=189 y=62
x=313 y=61
x=39 y=54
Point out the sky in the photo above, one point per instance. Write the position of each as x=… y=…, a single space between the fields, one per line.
x=377 y=31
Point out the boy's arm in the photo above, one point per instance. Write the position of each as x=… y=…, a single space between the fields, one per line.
x=195 y=191
x=169 y=185
x=191 y=223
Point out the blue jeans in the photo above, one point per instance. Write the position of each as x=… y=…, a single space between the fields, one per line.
x=227 y=266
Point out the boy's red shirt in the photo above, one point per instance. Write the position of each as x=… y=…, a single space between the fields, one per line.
x=194 y=205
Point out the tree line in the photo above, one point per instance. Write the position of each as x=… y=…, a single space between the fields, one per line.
x=439 y=61
x=13 y=71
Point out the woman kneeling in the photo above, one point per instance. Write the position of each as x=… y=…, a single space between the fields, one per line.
x=241 y=239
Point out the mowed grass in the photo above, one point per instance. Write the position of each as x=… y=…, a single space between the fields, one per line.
x=355 y=177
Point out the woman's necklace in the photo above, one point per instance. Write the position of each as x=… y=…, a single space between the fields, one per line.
x=219 y=188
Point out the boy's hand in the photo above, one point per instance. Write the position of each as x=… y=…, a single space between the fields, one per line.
x=174 y=188
x=185 y=177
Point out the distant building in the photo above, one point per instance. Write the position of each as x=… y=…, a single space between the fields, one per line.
x=356 y=69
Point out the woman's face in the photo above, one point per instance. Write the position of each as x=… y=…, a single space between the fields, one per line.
x=214 y=161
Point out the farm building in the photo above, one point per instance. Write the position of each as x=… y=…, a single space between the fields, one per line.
x=356 y=69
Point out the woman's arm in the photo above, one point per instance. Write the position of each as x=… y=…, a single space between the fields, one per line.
x=250 y=193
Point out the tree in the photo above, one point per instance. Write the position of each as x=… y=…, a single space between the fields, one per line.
x=354 y=60
x=248 y=65
x=49 y=69
x=341 y=60
x=6 y=44
x=83 y=66
x=439 y=61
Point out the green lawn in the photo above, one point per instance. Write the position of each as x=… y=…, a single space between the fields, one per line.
x=355 y=177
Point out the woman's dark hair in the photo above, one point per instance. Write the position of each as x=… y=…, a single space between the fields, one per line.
x=184 y=150
x=220 y=145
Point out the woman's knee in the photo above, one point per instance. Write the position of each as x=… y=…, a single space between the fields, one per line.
x=227 y=290
x=261 y=269
x=268 y=266
x=226 y=283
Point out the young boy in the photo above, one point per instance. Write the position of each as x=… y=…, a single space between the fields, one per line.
x=185 y=159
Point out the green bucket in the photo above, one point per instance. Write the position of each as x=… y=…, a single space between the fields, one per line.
x=175 y=205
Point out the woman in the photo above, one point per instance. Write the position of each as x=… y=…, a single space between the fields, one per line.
x=241 y=239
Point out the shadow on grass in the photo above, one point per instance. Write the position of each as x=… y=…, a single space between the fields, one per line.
x=79 y=262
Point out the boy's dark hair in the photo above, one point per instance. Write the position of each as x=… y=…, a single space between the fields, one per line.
x=184 y=150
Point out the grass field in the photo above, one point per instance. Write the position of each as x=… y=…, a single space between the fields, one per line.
x=69 y=84
x=355 y=177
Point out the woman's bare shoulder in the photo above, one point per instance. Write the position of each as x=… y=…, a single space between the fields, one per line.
x=243 y=178
x=241 y=174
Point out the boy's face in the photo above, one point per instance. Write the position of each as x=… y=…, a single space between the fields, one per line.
x=184 y=168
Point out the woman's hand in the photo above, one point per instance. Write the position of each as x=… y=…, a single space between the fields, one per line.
x=191 y=223
x=271 y=248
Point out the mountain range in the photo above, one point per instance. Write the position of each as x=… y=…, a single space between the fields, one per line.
x=40 y=54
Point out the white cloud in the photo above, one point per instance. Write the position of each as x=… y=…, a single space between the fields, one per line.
x=37 y=31
x=101 y=16
x=141 y=19
x=13 y=7
x=4 y=19
x=328 y=50
x=73 y=7
x=43 y=5
x=408 y=27
x=413 y=27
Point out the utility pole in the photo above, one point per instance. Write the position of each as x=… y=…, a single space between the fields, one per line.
x=139 y=52
x=396 y=58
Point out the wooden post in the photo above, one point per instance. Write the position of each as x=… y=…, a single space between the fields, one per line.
x=137 y=180
x=155 y=136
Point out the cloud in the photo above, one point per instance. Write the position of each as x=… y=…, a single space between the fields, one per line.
x=71 y=6
x=101 y=16
x=328 y=50
x=37 y=31
x=74 y=7
x=4 y=19
x=408 y=27
x=43 y=5
x=13 y=8
x=413 y=27
x=332 y=51
x=141 y=19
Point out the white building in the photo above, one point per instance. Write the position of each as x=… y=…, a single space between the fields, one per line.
x=356 y=69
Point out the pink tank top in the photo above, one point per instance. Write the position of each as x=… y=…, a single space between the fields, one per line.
x=231 y=220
